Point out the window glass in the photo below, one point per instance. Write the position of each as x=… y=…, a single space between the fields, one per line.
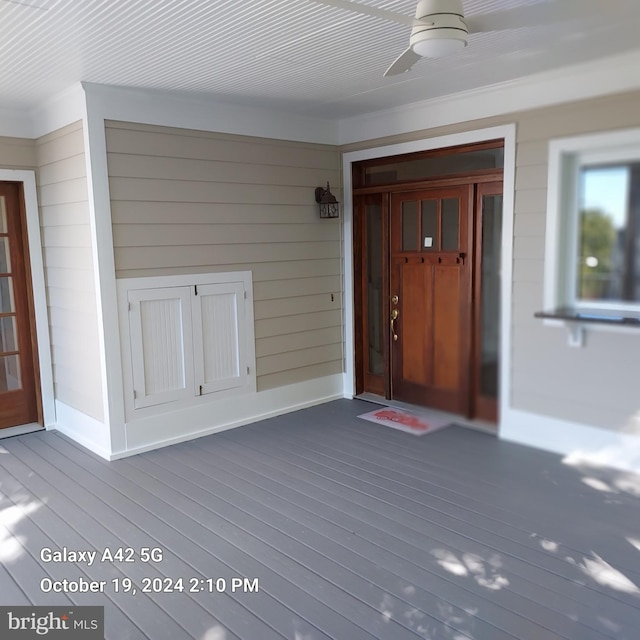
x=608 y=247
x=8 y=334
x=420 y=168
x=10 y=373
x=490 y=295
x=410 y=226
x=430 y=225
x=5 y=259
x=450 y=224
x=6 y=295
x=373 y=215
x=3 y=216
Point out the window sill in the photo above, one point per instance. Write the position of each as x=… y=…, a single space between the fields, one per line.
x=588 y=316
x=576 y=319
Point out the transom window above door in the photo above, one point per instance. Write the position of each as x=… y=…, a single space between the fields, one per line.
x=473 y=159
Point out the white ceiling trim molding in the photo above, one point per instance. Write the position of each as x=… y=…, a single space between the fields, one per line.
x=60 y=110
x=578 y=82
x=173 y=109
x=15 y=123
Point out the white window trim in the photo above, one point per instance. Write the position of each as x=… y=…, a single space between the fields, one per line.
x=566 y=155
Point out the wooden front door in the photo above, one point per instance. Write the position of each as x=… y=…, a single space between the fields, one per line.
x=430 y=294
x=18 y=399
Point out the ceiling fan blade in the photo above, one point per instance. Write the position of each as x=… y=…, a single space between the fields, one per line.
x=368 y=11
x=403 y=62
x=548 y=12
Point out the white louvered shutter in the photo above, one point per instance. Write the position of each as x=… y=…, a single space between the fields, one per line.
x=220 y=333
x=161 y=345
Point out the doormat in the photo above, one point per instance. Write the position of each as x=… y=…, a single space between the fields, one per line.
x=418 y=425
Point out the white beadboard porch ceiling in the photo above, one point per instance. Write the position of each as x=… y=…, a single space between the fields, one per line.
x=294 y=55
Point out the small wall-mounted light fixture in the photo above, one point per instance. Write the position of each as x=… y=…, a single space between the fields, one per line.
x=329 y=206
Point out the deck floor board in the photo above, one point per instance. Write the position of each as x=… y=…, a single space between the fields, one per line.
x=354 y=531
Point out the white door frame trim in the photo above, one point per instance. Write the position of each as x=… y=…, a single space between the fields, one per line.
x=28 y=180
x=508 y=134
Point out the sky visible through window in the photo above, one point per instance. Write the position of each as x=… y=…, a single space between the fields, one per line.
x=607 y=189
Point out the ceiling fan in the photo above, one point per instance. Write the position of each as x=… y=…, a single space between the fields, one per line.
x=440 y=28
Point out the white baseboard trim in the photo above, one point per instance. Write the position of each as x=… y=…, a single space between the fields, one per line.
x=580 y=444
x=173 y=427
x=85 y=430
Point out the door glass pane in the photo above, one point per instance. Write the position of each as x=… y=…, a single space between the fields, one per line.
x=373 y=215
x=9 y=373
x=8 y=334
x=410 y=226
x=6 y=295
x=450 y=224
x=3 y=215
x=430 y=225
x=5 y=258
x=490 y=295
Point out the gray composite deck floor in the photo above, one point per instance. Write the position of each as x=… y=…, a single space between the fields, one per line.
x=353 y=530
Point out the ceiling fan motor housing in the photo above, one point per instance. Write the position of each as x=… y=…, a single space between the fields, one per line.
x=442 y=30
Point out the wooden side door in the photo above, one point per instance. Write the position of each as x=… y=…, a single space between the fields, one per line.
x=488 y=240
x=430 y=307
x=18 y=397
x=371 y=255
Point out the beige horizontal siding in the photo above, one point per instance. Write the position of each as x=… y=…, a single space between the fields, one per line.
x=69 y=269
x=294 y=306
x=17 y=153
x=144 y=235
x=60 y=145
x=262 y=272
x=532 y=153
x=269 y=327
x=298 y=287
x=188 y=191
x=67 y=214
x=195 y=202
x=76 y=235
x=139 y=212
x=529 y=247
x=586 y=411
x=188 y=169
x=298 y=359
x=530 y=201
x=531 y=177
x=83 y=326
x=167 y=142
x=596 y=384
x=298 y=341
x=611 y=112
x=525 y=270
x=72 y=280
x=167 y=255
x=67 y=257
x=530 y=224
x=64 y=171
x=292 y=376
